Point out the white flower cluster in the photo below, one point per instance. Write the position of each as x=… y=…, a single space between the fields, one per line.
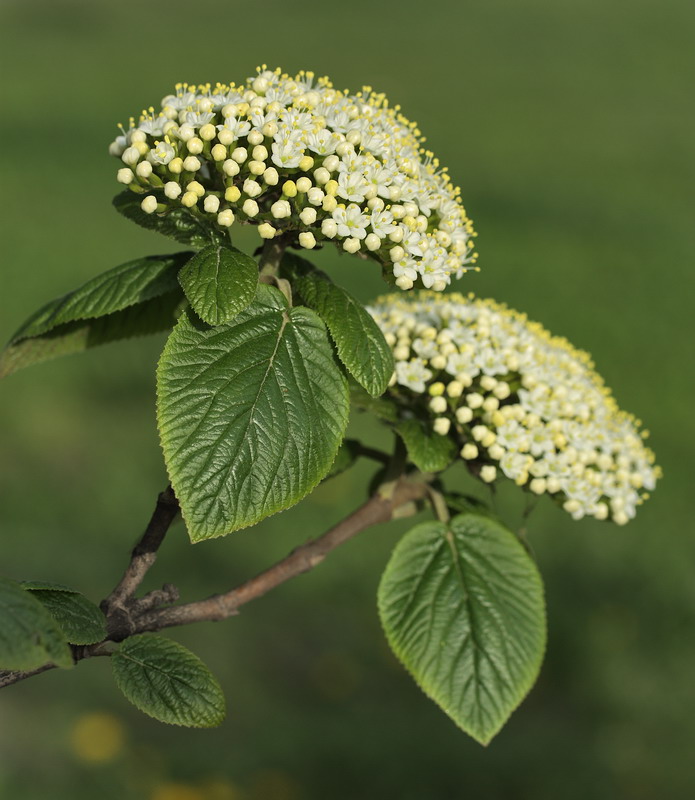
x=518 y=401
x=301 y=159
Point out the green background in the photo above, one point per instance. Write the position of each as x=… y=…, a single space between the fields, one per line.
x=569 y=126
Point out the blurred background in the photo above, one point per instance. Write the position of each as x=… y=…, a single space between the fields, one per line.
x=569 y=126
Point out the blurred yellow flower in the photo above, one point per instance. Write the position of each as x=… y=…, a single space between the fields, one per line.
x=97 y=737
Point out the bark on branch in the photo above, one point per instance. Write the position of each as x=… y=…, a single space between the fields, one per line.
x=379 y=508
x=127 y=616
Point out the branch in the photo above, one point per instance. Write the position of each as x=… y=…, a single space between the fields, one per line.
x=79 y=652
x=379 y=508
x=271 y=256
x=127 y=616
x=143 y=556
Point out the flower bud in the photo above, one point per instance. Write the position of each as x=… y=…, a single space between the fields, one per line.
x=372 y=242
x=271 y=177
x=469 y=451
x=329 y=228
x=315 y=196
x=308 y=216
x=307 y=239
x=281 y=209
x=125 y=175
x=266 y=230
x=289 y=189
x=225 y=218
x=194 y=146
x=172 y=190
x=149 y=204
x=250 y=208
x=488 y=473
x=252 y=188
x=303 y=185
x=191 y=164
x=211 y=204
x=441 y=426
x=207 y=132
x=131 y=156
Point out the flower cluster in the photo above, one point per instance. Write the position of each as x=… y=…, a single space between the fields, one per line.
x=297 y=157
x=518 y=401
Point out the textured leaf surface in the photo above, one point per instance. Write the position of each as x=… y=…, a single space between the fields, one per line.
x=151 y=316
x=178 y=223
x=29 y=636
x=429 y=451
x=120 y=287
x=79 y=619
x=168 y=682
x=358 y=339
x=219 y=282
x=462 y=607
x=251 y=413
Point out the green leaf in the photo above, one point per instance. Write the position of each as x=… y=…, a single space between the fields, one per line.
x=79 y=619
x=219 y=282
x=168 y=682
x=251 y=413
x=462 y=607
x=152 y=316
x=29 y=636
x=358 y=339
x=429 y=451
x=133 y=299
x=381 y=407
x=177 y=223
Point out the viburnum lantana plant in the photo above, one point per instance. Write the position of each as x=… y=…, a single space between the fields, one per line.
x=265 y=358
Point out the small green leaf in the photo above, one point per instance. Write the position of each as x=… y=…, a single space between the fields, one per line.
x=133 y=299
x=29 y=636
x=165 y=680
x=177 y=223
x=151 y=316
x=50 y=585
x=462 y=607
x=429 y=451
x=219 y=282
x=251 y=413
x=358 y=339
x=468 y=504
x=79 y=619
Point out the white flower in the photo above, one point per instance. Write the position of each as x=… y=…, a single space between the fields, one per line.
x=287 y=152
x=162 y=153
x=351 y=221
x=324 y=144
x=352 y=186
x=381 y=222
x=237 y=127
x=412 y=374
x=534 y=405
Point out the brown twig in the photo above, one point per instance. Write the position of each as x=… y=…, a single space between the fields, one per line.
x=142 y=558
x=378 y=508
x=127 y=616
